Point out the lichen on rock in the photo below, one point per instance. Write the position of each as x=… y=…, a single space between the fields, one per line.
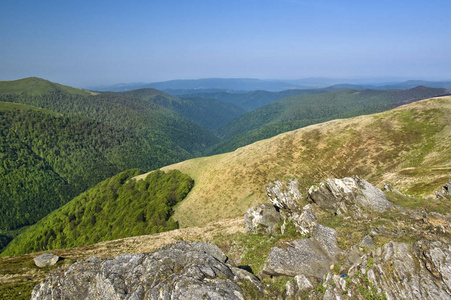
x=177 y=271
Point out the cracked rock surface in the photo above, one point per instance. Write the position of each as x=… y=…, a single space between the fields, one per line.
x=177 y=271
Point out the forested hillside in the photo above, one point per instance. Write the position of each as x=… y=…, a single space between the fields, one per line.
x=67 y=140
x=115 y=208
x=173 y=137
x=248 y=100
x=47 y=159
x=303 y=110
x=208 y=113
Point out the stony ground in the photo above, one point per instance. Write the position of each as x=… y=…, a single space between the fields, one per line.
x=18 y=274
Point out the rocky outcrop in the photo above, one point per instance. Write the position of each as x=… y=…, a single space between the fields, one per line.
x=341 y=194
x=178 y=271
x=262 y=218
x=284 y=195
x=397 y=271
x=45 y=260
x=311 y=257
x=305 y=222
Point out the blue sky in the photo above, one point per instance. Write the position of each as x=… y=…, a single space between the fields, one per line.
x=86 y=43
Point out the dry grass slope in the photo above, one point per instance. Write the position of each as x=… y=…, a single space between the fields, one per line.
x=409 y=146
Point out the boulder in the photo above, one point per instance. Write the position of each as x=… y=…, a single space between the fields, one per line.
x=284 y=195
x=333 y=193
x=302 y=256
x=311 y=257
x=368 y=242
x=46 y=260
x=326 y=238
x=177 y=271
x=262 y=218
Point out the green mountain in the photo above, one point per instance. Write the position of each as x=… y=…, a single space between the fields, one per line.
x=117 y=207
x=37 y=86
x=248 y=100
x=303 y=110
x=47 y=159
x=173 y=137
x=208 y=113
x=58 y=141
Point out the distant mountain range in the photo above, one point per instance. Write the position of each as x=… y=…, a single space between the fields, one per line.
x=188 y=86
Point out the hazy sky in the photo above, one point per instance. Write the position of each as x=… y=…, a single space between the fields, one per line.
x=85 y=43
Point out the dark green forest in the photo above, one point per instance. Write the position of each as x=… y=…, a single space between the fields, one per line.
x=47 y=159
x=173 y=137
x=116 y=208
x=208 y=113
x=250 y=100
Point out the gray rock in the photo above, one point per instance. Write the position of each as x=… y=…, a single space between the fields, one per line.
x=302 y=282
x=298 y=257
x=402 y=271
x=284 y=195
x=262 y=218
x=306 y=221
x=368 y=242
x=353 y=190
x=326 y=238
x=311 y=257
x=177 y=271
x=45 y=260
x=334 y=285
x=352 y=257
x=290 y=289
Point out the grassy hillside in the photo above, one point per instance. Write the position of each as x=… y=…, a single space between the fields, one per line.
x=115 y=208
x=408 y=146
x=303 y=110
x=208 y=113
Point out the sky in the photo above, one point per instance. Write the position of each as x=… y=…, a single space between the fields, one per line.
x=88 y=43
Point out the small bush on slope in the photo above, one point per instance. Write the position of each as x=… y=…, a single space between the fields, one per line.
x=115 y=208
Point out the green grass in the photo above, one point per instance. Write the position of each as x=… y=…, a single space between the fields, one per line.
x=441 y=206
x=26 y=276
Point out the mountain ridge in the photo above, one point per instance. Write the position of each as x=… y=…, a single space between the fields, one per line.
x=249 y=84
